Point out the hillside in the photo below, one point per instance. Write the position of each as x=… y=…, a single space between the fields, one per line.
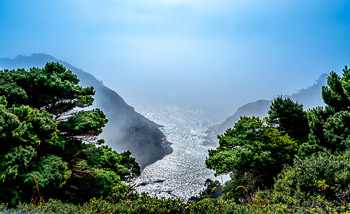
x=309 y=97
x=126 y=129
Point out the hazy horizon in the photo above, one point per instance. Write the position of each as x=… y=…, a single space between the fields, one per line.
x=215 y=54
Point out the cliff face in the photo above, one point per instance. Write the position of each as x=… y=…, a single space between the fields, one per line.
x=126 y=129
x=309 y=97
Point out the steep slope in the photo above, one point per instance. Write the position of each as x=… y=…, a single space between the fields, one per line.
x=126 y=129
x=309 y=97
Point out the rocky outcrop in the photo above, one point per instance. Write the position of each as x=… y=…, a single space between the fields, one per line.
x=126 y=129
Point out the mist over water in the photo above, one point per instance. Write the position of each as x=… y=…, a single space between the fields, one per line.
x=185 y=118
x=181 y=174
x=184 y=64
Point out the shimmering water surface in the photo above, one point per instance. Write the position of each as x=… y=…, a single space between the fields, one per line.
x=181 y=174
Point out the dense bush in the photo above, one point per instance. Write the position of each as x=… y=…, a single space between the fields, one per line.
x=48 y=146
x=146 y=204
x=321 y=177
x=289 y=118
x=52 y=162
x=253 y=153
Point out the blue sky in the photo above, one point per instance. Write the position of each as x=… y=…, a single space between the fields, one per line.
x=206 y=52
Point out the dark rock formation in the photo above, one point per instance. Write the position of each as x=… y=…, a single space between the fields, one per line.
x=126 y=129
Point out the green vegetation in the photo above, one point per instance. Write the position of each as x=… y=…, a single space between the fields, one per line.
x=252 y=149
x=48 y=145
x=51 y=161
x=289 y=118
x=292 y=157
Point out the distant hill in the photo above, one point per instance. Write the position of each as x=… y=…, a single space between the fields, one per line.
x=126 y=129
x=309 y=97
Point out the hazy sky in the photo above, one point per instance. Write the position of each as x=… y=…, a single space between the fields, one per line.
x=194 y=51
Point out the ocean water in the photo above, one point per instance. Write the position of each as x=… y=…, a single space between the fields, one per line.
x=181 y=174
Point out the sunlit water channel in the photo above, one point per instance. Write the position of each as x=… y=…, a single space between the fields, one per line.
x=181 y=174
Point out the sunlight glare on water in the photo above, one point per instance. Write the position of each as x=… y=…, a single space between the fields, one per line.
x=181 y=174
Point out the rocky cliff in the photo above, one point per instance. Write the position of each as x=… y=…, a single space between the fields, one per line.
x=126 y=129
